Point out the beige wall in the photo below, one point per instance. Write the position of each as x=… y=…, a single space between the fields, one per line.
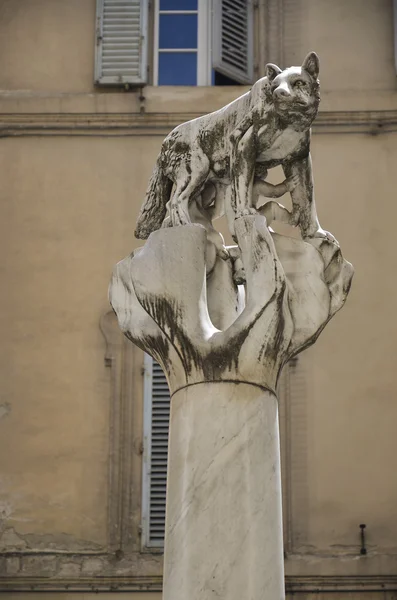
x=75 y=164
x=351 y=412
x=68 y=209
x=47 y=45
x=354 y=40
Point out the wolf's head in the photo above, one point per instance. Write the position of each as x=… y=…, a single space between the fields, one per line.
x=295 y=92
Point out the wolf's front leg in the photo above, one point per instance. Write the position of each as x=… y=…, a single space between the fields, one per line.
x=304 y=206
x=190 y=180
x=242 y=166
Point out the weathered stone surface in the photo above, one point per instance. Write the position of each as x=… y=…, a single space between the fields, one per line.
x=13 y=565
x=161 y=302
x=93 y=566
x=39 y=565
x=69 y=569
x=10 y=540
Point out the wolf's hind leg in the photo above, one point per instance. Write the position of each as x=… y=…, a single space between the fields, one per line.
x=190 y=181
x=243 y=155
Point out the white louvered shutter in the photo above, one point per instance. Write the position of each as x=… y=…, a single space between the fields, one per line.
x=121 y=42
x=156 y=425
x=233 y=39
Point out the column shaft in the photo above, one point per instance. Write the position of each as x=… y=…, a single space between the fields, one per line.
x=224 y=523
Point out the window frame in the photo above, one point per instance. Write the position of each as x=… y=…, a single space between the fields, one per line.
x=204 y=41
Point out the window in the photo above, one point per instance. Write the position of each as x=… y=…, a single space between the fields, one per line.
x=195 y=42
x=156 y=417
x=185 y=31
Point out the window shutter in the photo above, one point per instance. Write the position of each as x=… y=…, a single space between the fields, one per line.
x=121 y=42
x=156 y=425
x=233 y=39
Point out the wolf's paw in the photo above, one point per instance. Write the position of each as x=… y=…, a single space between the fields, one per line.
x=291 y=182
x=245 y=212
x=223 y=253
x=321 y=233
x=239 y=276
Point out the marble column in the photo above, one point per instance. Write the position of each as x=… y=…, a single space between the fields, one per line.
x=224 y=522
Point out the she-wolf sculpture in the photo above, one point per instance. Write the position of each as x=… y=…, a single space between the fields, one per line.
x=223 y=157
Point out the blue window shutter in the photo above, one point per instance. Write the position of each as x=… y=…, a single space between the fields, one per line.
x=233 y=39
x=121 y=42
x=156 y=426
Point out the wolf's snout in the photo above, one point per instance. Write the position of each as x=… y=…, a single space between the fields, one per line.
x=282 y=92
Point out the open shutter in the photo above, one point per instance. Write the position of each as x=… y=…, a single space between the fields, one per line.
x=233 y=39
x=156 y=425
x=121 y=42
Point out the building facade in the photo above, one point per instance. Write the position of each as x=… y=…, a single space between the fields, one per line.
x=88 y=90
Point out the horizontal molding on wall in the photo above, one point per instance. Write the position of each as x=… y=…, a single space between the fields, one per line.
x=344 y=584
x=81 y=584
x=295 y=584
x=159 y=124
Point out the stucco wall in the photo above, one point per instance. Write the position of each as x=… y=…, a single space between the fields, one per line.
x=354 y=40
x=351 y=413
x=47 y=45
x=68 y=207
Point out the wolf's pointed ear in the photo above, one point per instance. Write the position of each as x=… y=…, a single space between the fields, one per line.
x=311 y=64
x=271 y=71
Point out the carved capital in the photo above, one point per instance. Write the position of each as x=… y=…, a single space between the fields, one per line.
x=167 y=305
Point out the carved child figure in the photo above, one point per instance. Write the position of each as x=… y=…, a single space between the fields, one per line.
x=210 y=206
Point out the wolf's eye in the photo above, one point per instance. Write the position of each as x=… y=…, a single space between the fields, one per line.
x=299 y=83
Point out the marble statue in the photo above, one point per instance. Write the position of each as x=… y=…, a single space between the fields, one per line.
x=223 y=322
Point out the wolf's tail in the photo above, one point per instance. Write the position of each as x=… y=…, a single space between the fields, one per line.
x=154 y=208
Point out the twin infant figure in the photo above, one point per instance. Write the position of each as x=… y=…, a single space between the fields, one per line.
x=212 y=205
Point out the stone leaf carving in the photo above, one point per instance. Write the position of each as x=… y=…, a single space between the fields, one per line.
x=293 y=288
